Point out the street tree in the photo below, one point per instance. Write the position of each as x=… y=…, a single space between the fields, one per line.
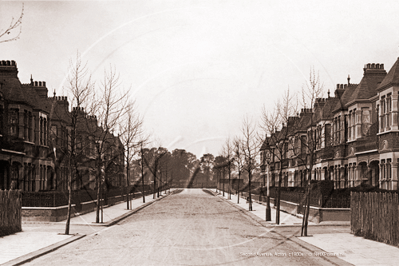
x=110 y=105
x=250 y=150
x=67 y=127
x=305 y=147
x=227 y=151
x=132 y=131
x=239 y=160
x=277 y=127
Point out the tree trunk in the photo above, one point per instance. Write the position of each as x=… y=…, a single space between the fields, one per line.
x=223 y=182
x=229 y=182
x=68 y=221
x=238 y=187
x=98 y=194
x=278 y=199
x=249 y=189
x=127 y=182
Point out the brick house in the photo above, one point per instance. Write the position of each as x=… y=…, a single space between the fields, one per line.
x=35 y=138
x=355 y=134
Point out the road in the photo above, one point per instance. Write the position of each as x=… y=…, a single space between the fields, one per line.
x=188 y=228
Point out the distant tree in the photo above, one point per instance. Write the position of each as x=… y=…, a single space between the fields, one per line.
x=182 y=166
x=164 y=170
x=152 y=159
x=13 y=31
x=219 y=166
x=206 y=164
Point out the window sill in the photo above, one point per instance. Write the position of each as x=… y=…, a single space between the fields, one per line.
x=388 y=131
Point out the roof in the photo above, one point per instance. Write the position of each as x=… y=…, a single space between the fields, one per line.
x=373 y=75
x=367 y=87
x=392 y=78
x=14 y=91
x=324 y=108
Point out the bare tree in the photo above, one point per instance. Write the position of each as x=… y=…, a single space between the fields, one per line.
x=132 y=130
x=250 y=150
x=111 y=106
x=152 y=159
x=14 y=29
x=311 y=93
x=277 y=128
x=227 y=152
x=80 y=88
x=240 y=162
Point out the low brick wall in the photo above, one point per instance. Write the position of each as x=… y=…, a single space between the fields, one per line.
x=316 y=214
x=57 y=214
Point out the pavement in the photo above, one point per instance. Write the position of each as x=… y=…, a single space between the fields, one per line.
x=353 y=249
x=39 y=238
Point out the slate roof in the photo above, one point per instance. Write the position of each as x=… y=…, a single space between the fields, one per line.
x=373 y=75
x=392 y=78
x=367 y=87
x=14 y=91
x=345 y=98
x=325 y=112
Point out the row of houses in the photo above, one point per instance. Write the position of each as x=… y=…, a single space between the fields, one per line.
x=36 y=143
x=350 y=138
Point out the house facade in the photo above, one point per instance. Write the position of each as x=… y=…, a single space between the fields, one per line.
x=351 y=138
x=35 y=138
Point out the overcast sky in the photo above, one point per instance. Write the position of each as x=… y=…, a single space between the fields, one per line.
x=196 y=68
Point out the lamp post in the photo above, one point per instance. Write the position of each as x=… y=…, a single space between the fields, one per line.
x=268 y=158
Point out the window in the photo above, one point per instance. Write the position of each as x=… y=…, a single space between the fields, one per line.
x=365 y=121
x=45 y=132
x=13 y=122
x=388 y=110
x=327 y=135
x=388 y=169
x=30 y=127
x=350 y=125
x=26 y=127
x=382 y=168
x=54 y=134
x=353 y=136
x=383 y=110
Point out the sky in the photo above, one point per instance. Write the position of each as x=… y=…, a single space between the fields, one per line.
x=196 y=68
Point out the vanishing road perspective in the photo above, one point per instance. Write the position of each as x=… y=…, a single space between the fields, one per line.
x=188 y=227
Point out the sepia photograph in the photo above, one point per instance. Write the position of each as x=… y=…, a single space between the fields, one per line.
x=201 y=132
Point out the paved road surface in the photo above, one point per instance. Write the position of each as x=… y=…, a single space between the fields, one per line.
x=189 y=228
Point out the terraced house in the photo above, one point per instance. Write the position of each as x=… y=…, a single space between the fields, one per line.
x=351 y=138
x=35 y=139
